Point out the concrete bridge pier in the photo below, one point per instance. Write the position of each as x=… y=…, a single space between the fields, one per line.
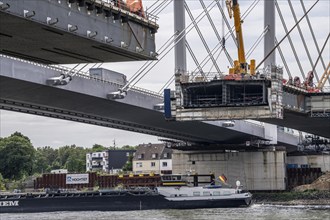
x=256 y=170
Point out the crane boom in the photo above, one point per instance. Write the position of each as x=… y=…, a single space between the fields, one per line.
x=239 y=32
x=324 y=77
x=240 y=65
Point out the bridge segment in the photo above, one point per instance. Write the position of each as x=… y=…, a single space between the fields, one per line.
x=23 y=88
x=305 y=111
x=88 y=31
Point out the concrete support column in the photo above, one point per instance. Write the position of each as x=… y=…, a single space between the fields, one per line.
x=269 y=40
x=179 y=26
x=257 y=170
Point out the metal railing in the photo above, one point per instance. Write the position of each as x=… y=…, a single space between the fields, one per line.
x=210 y=76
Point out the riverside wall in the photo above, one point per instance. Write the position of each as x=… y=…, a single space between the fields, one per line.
x=314 y=161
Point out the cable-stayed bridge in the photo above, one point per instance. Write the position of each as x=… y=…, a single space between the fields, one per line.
x=53 y=32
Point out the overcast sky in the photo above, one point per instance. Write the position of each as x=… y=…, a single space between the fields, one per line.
x=55 y=132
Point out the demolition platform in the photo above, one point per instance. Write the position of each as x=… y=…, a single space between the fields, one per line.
x=226 y=97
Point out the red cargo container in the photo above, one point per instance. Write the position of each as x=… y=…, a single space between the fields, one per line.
x=58 y=181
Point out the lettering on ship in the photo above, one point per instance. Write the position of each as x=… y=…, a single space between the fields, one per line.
x=9 y=203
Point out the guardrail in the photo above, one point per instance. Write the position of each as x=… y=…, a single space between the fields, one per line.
x=209 y=76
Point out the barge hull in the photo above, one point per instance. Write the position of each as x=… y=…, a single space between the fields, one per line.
x=111 y=203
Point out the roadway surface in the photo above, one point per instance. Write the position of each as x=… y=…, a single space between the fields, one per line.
x=303 y=122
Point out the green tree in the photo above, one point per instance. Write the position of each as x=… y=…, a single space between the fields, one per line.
x=2 y=183
x=16 y=156
x=64 y=153
x=71 y=157
x=127 y=147
x=19 y=134
x=76 y=162
x=129 y=164
x=55 y=165
x=98 y=148
x=41 y=164
x=50 y=155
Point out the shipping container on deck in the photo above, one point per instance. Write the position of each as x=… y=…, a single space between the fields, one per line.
x=58 y=181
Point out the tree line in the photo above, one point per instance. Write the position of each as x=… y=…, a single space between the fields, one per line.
x=18 y=157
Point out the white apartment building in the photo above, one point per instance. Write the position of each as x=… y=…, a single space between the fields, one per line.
x=97 y=161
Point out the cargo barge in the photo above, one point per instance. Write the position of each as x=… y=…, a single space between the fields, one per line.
x=140 y=198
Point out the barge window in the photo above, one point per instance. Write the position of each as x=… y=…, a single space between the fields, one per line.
x=216 y=193
x=226 y=193
x=196 y=193
x=183 y=195
x=206 y=193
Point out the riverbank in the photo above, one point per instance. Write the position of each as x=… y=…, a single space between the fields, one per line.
x=293 y=198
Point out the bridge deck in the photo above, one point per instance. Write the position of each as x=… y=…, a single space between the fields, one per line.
x=56 y=32
x=134 y=113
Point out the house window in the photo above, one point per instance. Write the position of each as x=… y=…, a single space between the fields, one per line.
x=165 y=155
x=139 y=164
x=164 y=164
x=127 y=154
x=153 y=164
x=140 y=156
x=154 y=156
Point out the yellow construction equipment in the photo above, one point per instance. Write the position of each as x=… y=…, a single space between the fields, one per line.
x=324 y=77
x=240 y=65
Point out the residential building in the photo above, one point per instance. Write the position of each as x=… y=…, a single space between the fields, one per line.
x=109 y=161
x=118 y=158
x=153 y=158
x=97 y=161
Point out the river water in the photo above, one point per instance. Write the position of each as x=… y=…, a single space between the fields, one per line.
x=254 y=212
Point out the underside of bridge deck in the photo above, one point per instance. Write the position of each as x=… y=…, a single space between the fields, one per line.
x=56 y=34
